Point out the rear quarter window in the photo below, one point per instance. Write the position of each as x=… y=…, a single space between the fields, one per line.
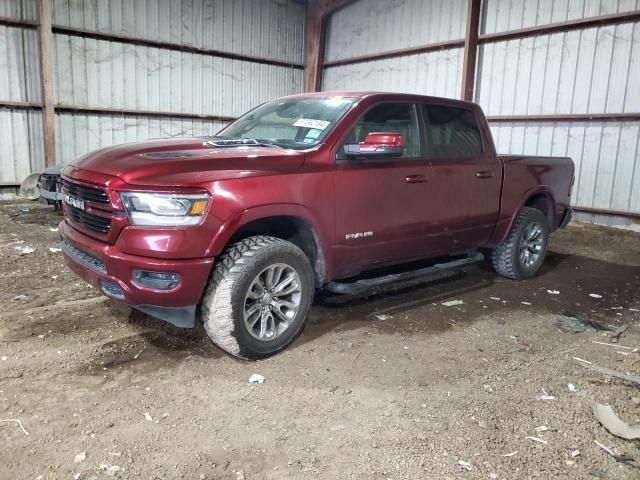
x=451 y=132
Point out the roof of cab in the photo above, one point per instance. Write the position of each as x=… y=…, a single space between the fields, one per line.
x=382 y=95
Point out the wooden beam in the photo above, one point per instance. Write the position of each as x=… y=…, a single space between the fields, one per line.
x=315 y=39
x=45 y=36
x=470 y=49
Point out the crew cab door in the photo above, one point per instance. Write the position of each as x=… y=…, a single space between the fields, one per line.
x=380 y=203
x=464 y=180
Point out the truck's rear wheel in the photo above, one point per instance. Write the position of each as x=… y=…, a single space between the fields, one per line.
x=522 y=253
x=258 y=298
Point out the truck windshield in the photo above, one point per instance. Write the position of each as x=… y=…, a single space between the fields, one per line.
x=289 y=123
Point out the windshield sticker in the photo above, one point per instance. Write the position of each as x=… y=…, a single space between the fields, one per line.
x=313 y=133
x=311 y=123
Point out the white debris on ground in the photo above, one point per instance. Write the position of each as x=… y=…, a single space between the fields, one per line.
x=25 y=250
x=453 y=303
x=383 y=317
x=110 y=470
x=80 y=457
x=256 y=378
x=553 y=292
x=54 y=249
x=148 y=417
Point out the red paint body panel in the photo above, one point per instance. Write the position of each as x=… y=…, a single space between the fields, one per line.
x=193 y=273
x=413 y=209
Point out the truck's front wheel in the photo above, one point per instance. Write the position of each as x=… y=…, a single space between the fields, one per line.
x=258 y=298
x=522 y=253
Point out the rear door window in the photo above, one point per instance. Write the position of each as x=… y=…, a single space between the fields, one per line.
x=452 y=132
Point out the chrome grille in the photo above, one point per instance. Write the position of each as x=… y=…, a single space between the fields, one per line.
x=98 y=201
x=88 y=220
x=85 y=193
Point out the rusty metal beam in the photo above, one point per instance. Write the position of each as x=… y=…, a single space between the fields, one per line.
x=45 y=37
x=606 y=211
x=599 y=21
x=580 y=24
x=470 y=49
x=20 y=105
x=143 y=113
x=81 y=32
x=567 y=117
x=401 y=52
x=14 y=22
x=318 y=12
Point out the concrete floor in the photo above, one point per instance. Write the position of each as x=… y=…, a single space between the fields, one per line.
x=430 y=392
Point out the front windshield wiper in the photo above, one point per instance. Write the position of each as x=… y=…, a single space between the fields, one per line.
x=240 y=142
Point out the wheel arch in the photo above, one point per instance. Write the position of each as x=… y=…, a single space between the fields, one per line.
x=288 y=222
x=541 y=198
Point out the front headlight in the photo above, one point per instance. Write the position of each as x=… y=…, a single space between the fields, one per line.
x=164 y=209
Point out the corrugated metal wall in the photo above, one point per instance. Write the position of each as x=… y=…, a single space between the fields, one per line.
x=113 y=74
x=376 y=26
x=20 y=130
x=594 y=70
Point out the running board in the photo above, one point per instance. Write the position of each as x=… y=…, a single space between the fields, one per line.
x=361 y=286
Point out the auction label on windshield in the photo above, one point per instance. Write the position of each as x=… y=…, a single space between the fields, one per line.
x=311 y=123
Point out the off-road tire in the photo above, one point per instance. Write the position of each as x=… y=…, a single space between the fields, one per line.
x=506 y=257
x=223 y=301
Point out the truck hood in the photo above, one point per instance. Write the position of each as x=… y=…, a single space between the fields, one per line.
x=186 y=161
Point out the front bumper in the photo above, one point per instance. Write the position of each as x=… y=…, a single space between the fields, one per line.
x=111 y=271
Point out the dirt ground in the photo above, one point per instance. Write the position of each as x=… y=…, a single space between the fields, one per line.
x=356 y=397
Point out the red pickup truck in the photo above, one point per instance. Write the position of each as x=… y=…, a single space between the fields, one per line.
x=304 y=192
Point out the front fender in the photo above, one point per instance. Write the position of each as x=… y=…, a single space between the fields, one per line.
x=235 y=222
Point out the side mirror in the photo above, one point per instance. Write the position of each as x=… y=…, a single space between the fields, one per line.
x=377 y=145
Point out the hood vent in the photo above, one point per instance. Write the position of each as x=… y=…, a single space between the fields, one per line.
x=237 y=142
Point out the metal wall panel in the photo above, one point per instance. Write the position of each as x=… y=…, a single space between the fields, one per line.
x=21 y=146
x=266 y=28
x=19 y=9
x=19 y=66
x=375 y=26
x=434 y=73
x=504 y=15
x=79 y=133
x=117 y=75
x=606 y=155
x=589 y=71
x=112 y=74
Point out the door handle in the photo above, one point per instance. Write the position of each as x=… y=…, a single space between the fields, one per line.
x=415 y=179
x=484 y=174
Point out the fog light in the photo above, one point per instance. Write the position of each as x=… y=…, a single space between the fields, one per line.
x=156 y=280
x=112 y=289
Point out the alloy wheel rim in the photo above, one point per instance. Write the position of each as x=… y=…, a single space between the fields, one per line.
x=272 y=302
x=531 y=244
